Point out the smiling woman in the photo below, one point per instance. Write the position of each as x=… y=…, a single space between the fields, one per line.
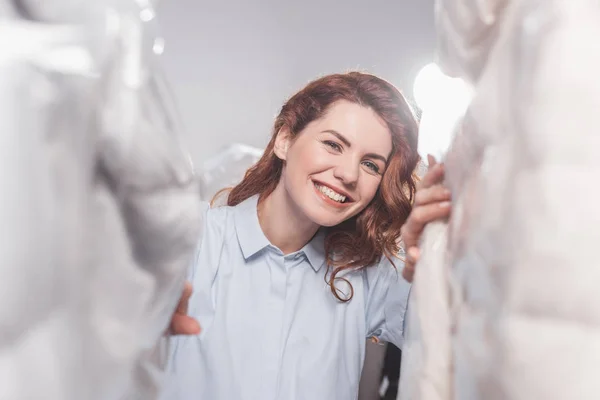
x=350 y=136
x=294 y=273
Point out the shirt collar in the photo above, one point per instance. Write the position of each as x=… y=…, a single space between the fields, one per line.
x=252 y=239
x=315 y=251
x=249 y=233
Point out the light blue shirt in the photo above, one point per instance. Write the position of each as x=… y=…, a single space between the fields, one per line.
x=271 y=328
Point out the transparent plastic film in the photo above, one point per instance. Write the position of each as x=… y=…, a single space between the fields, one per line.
x=103 y=214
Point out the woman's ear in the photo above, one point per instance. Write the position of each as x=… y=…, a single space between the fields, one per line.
x=283 y=141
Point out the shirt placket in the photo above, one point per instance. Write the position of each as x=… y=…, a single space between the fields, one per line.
x=274 y=328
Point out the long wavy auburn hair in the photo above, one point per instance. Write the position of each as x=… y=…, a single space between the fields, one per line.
x=362 y=240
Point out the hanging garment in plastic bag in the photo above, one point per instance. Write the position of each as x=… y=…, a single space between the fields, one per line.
x=427 y=370
x=226 y=169
x=427 y=348
x=103 y=212
x=521 y=240
x=525 y=250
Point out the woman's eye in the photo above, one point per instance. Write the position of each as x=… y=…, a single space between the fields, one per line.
x=333 y=145
x=372 y=166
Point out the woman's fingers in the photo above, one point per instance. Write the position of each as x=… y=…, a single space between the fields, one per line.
x=413 y=254
x=434 y=175
x=433 y=194
x=182 y=307
x=432 y=202
x=412 y=257
x=408 y=273
x=422 y=215
x=431 y=161
x=184 y=325
x=181 y=323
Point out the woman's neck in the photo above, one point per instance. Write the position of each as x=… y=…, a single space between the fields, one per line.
x=283 y=223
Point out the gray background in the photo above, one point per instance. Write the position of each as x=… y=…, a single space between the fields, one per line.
x=232 y=63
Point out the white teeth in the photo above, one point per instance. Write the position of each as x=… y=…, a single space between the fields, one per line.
x=330 y=193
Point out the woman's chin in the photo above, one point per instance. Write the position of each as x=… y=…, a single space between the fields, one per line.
x=326 y=219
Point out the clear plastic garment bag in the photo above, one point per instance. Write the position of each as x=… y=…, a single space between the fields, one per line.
x=520 y=298
x=99 y=209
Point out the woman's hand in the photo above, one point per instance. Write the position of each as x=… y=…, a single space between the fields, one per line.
x=181 y=323
x=432 y=202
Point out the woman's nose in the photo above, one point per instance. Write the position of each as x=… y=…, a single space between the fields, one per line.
x=347 y=171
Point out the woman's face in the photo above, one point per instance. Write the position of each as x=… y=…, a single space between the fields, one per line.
x=333 y=168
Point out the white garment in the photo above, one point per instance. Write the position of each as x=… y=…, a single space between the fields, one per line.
x=530 y=313
x=521 y=242
x=426 y=355
x=100 y=207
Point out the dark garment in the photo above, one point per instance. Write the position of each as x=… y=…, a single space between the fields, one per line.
x=391 y=371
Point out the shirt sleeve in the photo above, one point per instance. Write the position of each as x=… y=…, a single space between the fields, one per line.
x=387 y=301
